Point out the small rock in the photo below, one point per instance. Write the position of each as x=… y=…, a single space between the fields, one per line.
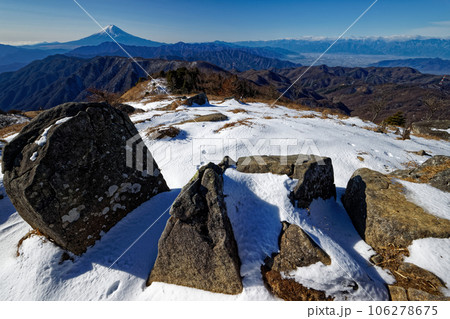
x=376 y=259
x=419 y=295
x=296 y=250
x=397 y=293
x=314 y=174
x=226 y=163
x=289 y=289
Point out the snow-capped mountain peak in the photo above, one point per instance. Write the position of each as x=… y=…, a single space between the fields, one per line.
x=112 y=30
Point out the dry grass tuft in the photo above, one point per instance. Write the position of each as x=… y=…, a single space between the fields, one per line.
x=391 y=258
x=308 y=116
x=244 y=122
x=160 y=132
x=12 y=129
x=428 y=137
x=31 y=233
x=410 y=164
x=360 y=158
x=426 y=173
x=32 y=114
x=170 y=107
x=235 y=111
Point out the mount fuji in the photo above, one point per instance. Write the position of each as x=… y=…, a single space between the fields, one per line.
x=105 y=35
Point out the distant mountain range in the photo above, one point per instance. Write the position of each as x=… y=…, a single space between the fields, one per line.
x=240 y=55
x=13 y=58
x=226 y=56
x=424 y=65
x=431 y=48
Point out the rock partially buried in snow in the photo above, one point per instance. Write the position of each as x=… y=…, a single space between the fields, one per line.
x=296 y=250
x=67 y=175
x=382 y=215
x=314 y=173
x=197 y=248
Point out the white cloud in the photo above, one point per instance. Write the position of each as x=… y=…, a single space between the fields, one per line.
x=435 y=29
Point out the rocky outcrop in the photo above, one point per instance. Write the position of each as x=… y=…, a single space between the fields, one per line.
x=67 y=174
x=382 y=215
x=199 y=99
x=434 y=171
x=437 y=128
x=128 y=108
x=314 y=174
x=389 y=223
x=197 y=248
x=296 y=250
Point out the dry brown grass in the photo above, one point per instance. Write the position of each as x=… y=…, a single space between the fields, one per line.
x=391 y=258
x=428 y=137
x=410 y=164
x=170 y=107
x=31 y=233
x=32 y=114
x=12 y=129
x=360 y=158
x=156 y=98
x=244 y=122
x=268 y=117
x=426 y=173
x=160 y=132
x=308 y=116
x=235 y=111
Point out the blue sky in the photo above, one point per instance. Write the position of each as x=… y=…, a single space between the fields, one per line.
x=23 y=21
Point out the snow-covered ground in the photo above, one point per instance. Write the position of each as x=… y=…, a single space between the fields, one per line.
x=256 y=204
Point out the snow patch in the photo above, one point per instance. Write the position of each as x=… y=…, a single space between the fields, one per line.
x=431 y=199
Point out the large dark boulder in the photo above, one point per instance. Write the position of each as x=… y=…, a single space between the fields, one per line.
x=382 y=215
x=197 y=248
x=67 y=174
x=296 y=250
x=199 y=99
x=314 y=174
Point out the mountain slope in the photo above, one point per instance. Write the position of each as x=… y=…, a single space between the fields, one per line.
x=58 y=79
x=424 y=65
x=13 y=58
x=222 y=55
x=401 y=89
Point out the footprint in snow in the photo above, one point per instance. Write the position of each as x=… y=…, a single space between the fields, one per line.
x=114 y=287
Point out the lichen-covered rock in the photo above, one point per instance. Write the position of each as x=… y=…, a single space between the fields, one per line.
x=397 y=293
x=197 y=248
x=314 y=174
x=67 y=174
x=434 y=171
x=382 y=215
x=296 y=250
